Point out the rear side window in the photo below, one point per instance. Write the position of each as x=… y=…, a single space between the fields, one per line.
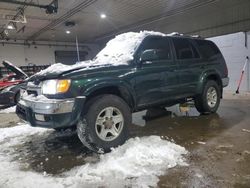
x=207 y=48
x=184 y=49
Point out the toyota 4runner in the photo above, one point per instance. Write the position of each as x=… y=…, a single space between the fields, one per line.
x=135 y=71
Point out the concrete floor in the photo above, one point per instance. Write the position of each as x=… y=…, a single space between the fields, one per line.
x=218 y=145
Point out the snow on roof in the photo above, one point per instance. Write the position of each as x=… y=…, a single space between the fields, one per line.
x=118 y=51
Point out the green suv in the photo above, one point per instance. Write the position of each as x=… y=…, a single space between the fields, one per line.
x=135 y=71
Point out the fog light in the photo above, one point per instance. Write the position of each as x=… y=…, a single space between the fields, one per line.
x=39 y=117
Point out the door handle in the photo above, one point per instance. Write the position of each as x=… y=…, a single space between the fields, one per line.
x=148 y=62
x=173 y=70
x=202 y=67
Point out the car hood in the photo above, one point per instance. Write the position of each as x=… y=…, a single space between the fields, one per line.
x=14 y=69
x=57 y=70
x=56 y=75
x=80 y=71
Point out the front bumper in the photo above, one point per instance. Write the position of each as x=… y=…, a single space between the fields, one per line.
x=50 y=113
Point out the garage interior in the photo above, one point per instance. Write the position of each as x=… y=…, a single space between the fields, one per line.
x=42 y=33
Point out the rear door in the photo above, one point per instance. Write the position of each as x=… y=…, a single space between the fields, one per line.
x=156 y=80
x=190 y=65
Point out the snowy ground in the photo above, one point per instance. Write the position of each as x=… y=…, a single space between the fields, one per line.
x=218 y=152
x=138 y=163
x=8 y=110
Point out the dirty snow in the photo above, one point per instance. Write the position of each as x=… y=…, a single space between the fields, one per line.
x=137 y=163
x=8 y=110
x=118 y=51
x=41 y=98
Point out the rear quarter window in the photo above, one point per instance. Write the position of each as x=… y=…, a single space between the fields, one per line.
x=207 y=48
x=185 y=49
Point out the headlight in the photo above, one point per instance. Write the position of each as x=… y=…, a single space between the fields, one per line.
x=51 y=87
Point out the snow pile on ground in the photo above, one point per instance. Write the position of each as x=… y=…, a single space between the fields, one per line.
x=118 y=51
x=137 y=163
x=8 y=110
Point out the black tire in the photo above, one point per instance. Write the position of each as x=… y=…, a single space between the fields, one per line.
x=62 y=129
x=202 y=101
x=87 y=128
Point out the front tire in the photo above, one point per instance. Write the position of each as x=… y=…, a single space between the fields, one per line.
x=105 y=124
x=209 y=101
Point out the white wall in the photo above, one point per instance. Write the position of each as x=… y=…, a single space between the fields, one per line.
x=42 y=55
x=234 y=51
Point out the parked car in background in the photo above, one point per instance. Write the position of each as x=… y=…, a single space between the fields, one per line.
x=134 y=72
x=10 y=85
x=15 y=77
x=10 y=95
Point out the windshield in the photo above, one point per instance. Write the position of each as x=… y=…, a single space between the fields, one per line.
x=120 y=50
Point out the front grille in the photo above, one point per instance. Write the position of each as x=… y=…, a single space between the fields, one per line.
x=34 y=88
x=20 y=109
x=32 y=92
x=21 y=112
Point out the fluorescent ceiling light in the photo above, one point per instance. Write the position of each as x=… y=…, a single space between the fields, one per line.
x=103 y=16
x=68 y=32
x=10 y=26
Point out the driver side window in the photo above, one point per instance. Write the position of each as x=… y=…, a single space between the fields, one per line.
x=160 y=46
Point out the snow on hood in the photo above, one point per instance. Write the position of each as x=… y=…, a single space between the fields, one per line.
x=118 y=51
x=59 y=68
x=137 y=163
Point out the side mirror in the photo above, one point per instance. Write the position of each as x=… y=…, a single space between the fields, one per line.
x=148 y=55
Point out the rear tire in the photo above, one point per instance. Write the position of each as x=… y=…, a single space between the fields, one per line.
x=209 y=101
x=105 y=123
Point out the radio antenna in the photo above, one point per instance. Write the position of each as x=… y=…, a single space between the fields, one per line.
x=77 y=50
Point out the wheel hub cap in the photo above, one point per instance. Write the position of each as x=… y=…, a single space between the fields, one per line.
x=109 y=124
x=212 y=97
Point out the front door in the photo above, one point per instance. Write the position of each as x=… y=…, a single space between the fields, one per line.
x=156 y=80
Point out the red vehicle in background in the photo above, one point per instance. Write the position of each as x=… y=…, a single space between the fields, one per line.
x=17 y=76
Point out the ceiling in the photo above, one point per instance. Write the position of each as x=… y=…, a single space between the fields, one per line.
x=187 y=16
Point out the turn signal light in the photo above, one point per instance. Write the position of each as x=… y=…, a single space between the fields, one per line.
x=63 y=86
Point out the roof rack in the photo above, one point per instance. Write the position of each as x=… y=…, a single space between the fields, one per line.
x=196 y=36
x=176 y=34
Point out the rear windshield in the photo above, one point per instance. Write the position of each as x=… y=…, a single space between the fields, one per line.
x=207 y=48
